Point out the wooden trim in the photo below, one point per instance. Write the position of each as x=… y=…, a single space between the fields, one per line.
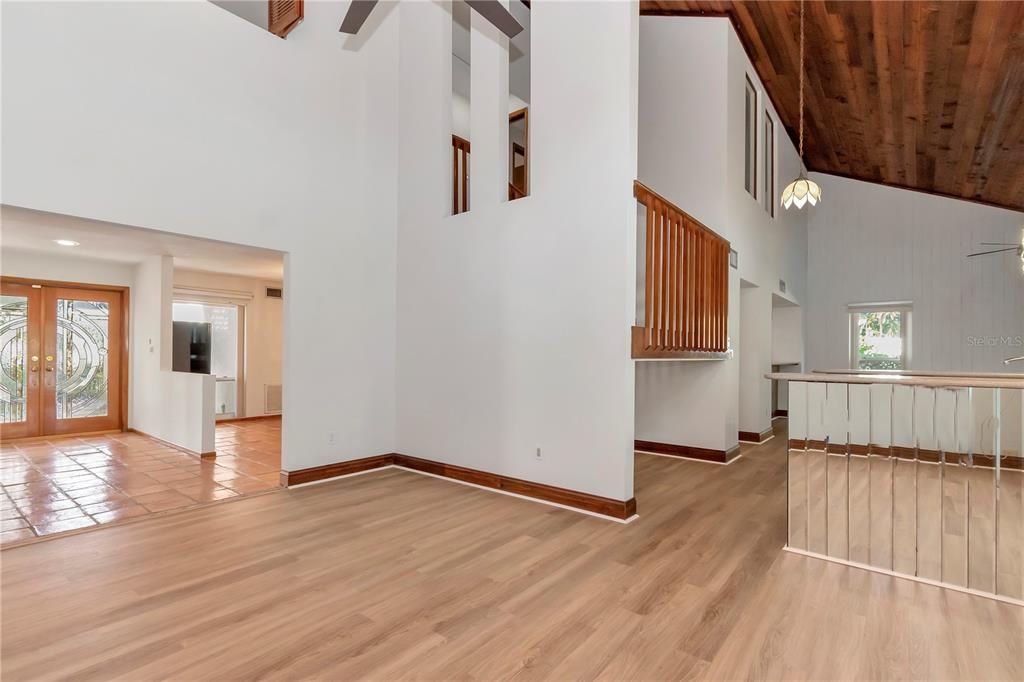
x=780 y=413
x=619 y=509
x=353 y=466
x=515 y=116
x=640 y=351
x=797 y=444
x=688 y=451
x=255 y=417
x=755 y=437
x=62 y=284
x=816 y=445
x=857 y=449
x=121 y=368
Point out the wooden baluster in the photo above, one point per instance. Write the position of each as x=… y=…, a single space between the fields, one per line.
x=649 y=278
x=699 y=345
x=673 y=286
x=688 y=285
x=724 y=258
x=659 y=265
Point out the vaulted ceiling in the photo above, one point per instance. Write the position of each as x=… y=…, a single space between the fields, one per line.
x=919 y=94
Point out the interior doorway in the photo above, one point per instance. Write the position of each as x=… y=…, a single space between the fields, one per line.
x=214 y=336
x=63 y=358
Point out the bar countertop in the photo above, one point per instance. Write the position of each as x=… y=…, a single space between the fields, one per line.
x=931 y=379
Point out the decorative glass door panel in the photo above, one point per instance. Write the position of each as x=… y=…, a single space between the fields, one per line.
x=19 y=360
x=60 y=360
x=81 y=373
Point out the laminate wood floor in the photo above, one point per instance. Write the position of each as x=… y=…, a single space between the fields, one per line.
x=394 y=575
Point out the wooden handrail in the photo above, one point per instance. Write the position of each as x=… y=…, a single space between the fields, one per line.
x=686 y=282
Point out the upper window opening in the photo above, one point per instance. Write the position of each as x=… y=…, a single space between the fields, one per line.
x=750 y=140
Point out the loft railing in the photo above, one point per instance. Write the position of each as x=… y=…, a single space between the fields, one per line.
x=460 y=175
x=686 y=284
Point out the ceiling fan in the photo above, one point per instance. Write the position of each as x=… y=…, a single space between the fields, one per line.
x=491 y=10
x=1019 y=248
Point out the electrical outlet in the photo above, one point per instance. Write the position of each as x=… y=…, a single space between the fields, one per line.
x=330 y=437
x=538 y=454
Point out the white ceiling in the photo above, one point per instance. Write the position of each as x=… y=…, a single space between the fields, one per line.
x=28 y=230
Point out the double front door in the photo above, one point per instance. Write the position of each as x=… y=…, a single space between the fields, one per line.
x=61 y=357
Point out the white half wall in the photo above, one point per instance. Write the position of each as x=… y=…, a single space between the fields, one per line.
x=180 y=117
x=755 y=350
x=177 y=407
x=514 y=317
x=870 y=243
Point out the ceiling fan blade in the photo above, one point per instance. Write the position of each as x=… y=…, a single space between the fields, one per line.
x=494 y=12
x=358 y=10
x=985 y=253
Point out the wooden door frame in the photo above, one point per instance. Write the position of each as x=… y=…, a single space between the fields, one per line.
x=125 y=327
x=524 y=114
x=34 y=299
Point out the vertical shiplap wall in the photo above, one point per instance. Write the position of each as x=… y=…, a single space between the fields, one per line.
x=869 y=243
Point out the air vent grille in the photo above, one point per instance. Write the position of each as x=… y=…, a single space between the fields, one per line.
x=275 y=292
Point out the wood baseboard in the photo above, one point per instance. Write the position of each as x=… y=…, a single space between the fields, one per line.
x=780 y=413
x=619 y=509
x=352 y=466
x=755 y=437
x=688 y=451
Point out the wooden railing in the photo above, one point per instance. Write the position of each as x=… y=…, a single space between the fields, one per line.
x=686 y=283
x=460 y=175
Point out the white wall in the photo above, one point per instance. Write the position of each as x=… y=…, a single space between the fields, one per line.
x=180 y=117
x=692 y=73
x=177 y=407
x=871 y=243
x=59 y=267
x=514 y=317
x=754 y=353
x=787 y=335
x=263 y=321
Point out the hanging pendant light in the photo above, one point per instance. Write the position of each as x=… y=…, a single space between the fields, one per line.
x=803 y=190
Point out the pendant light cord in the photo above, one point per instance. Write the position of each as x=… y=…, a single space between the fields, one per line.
x=801 y=82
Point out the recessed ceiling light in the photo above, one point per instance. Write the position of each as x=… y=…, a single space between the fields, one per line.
x=65 y=242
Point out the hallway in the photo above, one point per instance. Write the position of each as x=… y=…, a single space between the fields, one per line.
x=396 y=575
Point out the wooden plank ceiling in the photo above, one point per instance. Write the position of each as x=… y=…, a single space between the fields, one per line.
x=918 y=94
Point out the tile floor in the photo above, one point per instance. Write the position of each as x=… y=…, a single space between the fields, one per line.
x=73 y=482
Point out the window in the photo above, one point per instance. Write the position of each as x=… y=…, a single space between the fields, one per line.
x=750 y=160
x=519 y=103
x=769 y=164
x=461 y=103
x=880 y=336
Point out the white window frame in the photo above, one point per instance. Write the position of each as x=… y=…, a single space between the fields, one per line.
x=905 y=308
